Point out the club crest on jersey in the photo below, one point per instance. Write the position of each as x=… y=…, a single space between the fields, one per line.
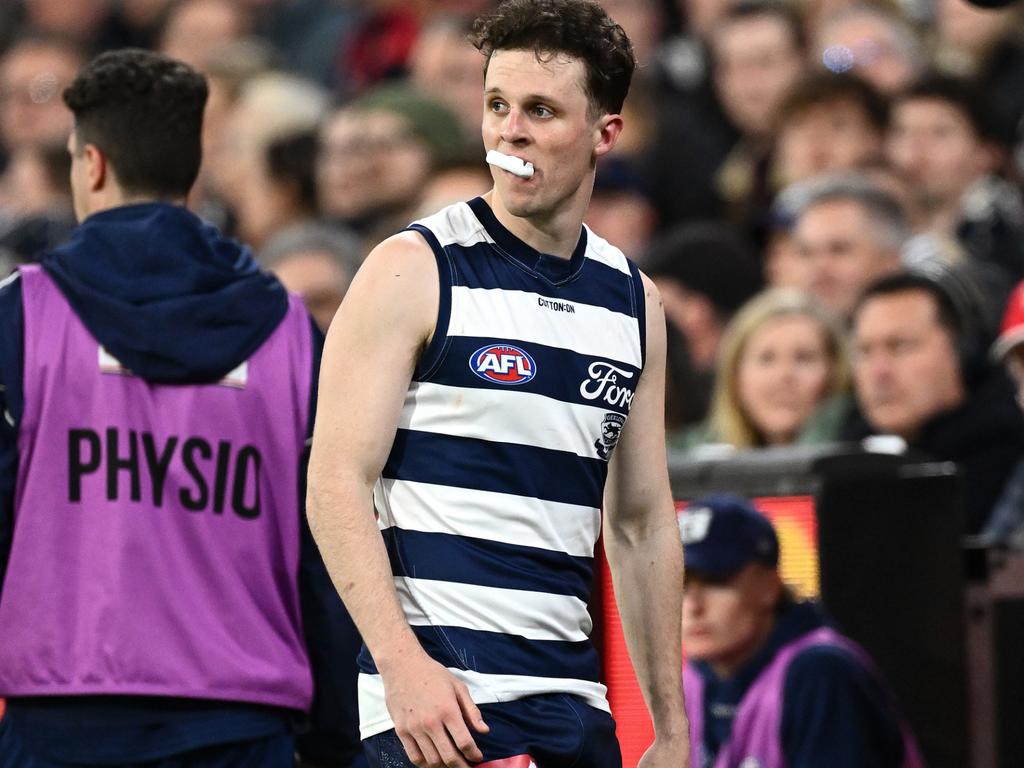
x=503 y=364
x=611 y=430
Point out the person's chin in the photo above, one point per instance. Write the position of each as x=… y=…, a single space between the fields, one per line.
x=699 y=645
x=520 y=205
x=886 y=422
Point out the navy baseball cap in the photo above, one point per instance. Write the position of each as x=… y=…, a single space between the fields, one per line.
x=722 y=533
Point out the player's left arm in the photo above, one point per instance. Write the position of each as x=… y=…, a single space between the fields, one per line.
x=641 y=540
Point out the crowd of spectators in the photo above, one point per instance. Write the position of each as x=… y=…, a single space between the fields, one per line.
x=812 y=146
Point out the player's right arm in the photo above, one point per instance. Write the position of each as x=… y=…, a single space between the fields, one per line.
x=379 y=332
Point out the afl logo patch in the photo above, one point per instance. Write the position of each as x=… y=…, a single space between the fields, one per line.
x=503 y=364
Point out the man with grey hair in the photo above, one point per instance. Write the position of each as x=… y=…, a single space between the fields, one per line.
x=848 y=233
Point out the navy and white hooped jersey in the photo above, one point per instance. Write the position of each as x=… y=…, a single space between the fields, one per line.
x=489 y=502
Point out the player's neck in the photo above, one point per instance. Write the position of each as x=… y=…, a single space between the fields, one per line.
x=555 y=233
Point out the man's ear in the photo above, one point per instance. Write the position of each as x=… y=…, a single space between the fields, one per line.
x=97 y=168
x=606 y=133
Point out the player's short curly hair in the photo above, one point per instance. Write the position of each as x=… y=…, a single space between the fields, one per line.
x=580 y=29
x=144 y=111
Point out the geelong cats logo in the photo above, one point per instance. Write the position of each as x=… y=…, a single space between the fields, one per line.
x=611 y=429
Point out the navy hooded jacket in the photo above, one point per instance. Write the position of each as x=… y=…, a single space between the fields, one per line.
x=174 y=302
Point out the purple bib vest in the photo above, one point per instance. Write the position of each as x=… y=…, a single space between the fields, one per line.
x=156 y=527
x=756 y=740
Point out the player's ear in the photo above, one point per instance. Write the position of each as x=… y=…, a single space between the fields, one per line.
x=606 y=133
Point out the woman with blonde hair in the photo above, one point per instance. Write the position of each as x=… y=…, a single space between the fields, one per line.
x=782 y=375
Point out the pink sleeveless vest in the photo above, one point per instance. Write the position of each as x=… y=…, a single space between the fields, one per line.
x=756 y=730
x=156 y=527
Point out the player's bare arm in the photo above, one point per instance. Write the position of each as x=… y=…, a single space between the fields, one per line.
x=642 y=543
x=384 y=323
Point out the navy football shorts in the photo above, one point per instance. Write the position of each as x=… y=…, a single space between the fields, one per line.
x=549 y=731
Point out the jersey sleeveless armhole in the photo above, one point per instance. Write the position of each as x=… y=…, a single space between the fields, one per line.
x=447 y=275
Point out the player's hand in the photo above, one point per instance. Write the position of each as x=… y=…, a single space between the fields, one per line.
x=667 y=753
x=431 y=708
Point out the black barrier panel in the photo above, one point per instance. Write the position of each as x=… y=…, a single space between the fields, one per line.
x=891 y=567
x=892 y=575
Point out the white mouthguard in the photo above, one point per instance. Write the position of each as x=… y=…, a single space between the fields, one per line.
x=510 y=164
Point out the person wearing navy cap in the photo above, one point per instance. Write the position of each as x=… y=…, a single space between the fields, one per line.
x=767 y=682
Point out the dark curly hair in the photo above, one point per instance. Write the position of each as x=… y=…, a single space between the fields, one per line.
x=580 y=29
x=962 y=94
x=825 y=89
x=144 y=111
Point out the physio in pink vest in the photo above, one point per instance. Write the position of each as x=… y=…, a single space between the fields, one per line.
x=158 y=582
x=768 y=684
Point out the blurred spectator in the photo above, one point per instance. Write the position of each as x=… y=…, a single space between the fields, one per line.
x=1006 y=524
x=33 y=72
x=196 y=29
x=315 y=261
x=873 y=42
x=782 y=375
x=920 y=372
x=942 y=141
x=690 y=134
x=620 y=210
x=35 y=204
x=134 y=24
x=689 y=144
x=35 y=201
x=454 y=183
x=643 y=21
x=986 y=44
x=828 y=122
x=848 y=233
x=307 y=33
x=700 y=17
x=782 y=264
x=269 y=173
x=704 y=272
x=640 y=112
x=757 y=50
x=767 y=681
x=381 y=43
x=682 y=66
x=376 y=155
x=230 y=69
x=80 y=20
x=446 y=67
x=884 y=175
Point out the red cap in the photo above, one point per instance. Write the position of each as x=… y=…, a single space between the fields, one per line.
x=1012 y=332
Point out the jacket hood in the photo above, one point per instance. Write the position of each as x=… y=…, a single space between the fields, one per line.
x=165 y=293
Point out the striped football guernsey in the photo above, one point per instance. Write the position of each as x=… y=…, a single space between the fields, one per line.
x=489 y=502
